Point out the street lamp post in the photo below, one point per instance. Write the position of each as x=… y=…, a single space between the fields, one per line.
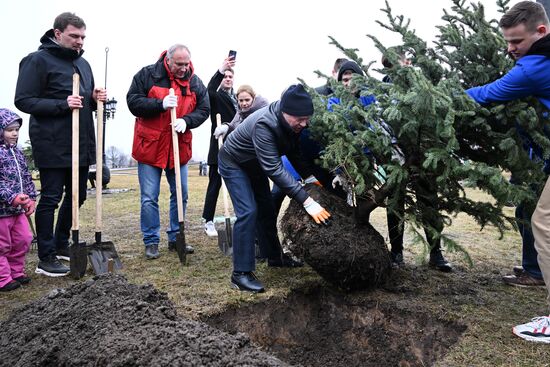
x=108 y=113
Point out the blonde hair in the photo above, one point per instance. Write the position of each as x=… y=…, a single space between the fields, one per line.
x=246 y=88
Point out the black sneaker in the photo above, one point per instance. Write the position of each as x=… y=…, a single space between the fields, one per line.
x=397 y=259
x=23 y=279
x=14 y=284
x=52 y=267
x=188 y=248
x=62 y=253
x=246 y=281
x=438 y=262
x=284 y=261
x=152 y=252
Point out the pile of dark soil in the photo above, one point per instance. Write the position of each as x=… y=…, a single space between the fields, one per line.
x=318 y=327
x=109 y=322
x=348 y=254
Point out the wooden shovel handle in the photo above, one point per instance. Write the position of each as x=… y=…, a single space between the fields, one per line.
x=176 y=148
x=99 y=170
x=224 y=189
x=75 y=154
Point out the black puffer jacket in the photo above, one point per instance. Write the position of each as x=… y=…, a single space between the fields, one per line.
x=44 y=83
x=220 y=102
x=260 y=141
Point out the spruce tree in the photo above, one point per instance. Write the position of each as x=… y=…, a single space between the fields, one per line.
x=426 y=136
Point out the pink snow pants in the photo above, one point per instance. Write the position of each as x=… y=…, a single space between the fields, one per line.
x=15 y=239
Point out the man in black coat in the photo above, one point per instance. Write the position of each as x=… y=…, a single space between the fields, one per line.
x=224 y=102
x=44 y=90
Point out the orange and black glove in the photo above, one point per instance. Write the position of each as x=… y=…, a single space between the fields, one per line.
x=317 y=212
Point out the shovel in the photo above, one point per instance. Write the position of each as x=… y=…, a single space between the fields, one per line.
x=77 y=250
x=224 y=235
x=101 y=253
x=180 y=237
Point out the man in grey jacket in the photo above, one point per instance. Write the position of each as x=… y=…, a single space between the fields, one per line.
x=252 y=154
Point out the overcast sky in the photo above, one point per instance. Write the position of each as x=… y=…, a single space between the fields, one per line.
x=275 y=43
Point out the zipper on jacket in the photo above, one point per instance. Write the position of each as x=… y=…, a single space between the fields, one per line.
x=18 y=169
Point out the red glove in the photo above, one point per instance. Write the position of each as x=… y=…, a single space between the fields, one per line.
x=30 y=207
x=20 y=200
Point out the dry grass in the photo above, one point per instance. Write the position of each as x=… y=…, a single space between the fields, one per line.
x=474 y=296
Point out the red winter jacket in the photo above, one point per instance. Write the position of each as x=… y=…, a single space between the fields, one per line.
x=152 y=132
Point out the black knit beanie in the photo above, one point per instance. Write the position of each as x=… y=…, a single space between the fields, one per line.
x=296 y=101
x=349 y=66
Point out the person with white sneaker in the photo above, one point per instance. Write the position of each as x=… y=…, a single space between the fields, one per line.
x=526 y=29
x=222 y=101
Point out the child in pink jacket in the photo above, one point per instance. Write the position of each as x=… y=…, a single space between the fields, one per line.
x=17 y=200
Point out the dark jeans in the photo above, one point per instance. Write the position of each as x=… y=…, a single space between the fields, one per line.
x=53 y=182
x=529 y=253
x=251 y=198
x=212 y=192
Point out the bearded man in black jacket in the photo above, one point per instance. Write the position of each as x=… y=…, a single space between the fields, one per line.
x=44 y=90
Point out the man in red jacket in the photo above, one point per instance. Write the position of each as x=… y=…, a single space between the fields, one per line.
x=149 y=100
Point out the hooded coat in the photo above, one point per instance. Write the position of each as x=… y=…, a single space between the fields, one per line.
x=152 y=131
x=349 y=66
x=44 y=83
x=14 y=173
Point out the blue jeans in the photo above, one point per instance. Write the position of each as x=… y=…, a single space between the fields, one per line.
x=149 y=183
x=529 y=253
x=251 y=198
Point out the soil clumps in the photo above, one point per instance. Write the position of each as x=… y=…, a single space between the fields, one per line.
x=107 y=321
x=349 y=254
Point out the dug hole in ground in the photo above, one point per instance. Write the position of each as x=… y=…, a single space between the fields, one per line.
x=106 y=321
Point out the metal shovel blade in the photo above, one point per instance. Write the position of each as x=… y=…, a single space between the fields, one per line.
x=99 y=255
x=181 y=245
x=78 y=254
x=224 y=238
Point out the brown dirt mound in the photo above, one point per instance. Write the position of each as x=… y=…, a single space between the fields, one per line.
x=317 y=327
x=348 y=254
x=109 y=322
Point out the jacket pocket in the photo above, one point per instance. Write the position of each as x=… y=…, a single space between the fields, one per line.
x=184 y=141
x=146 y=143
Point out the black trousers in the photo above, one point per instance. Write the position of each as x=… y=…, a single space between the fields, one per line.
x=426 y=196
x=212 y=192
x=54 y=182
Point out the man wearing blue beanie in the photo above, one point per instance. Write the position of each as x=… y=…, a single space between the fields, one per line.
x=250 y=156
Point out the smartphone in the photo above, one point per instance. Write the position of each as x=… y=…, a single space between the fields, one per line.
x=233 y=54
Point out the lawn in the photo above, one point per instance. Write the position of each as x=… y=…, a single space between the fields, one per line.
x=473 y=296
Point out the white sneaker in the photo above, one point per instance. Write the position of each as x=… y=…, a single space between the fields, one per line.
x=538 y=330
x=210 y=229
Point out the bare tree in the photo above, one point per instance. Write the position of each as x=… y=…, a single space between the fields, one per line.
x=132 y=162
x=115 y=157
